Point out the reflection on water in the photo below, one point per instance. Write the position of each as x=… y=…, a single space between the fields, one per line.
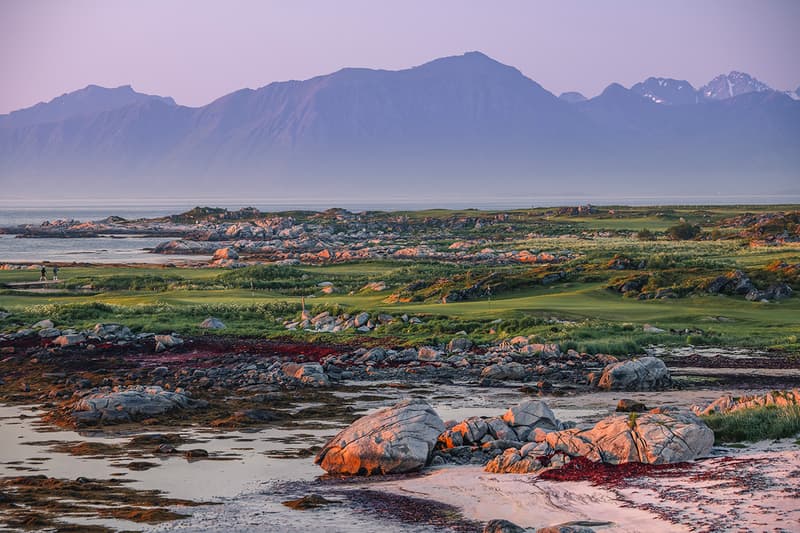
x=251 y=472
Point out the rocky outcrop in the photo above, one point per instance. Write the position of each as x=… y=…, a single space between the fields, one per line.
x=652 y=438
x=645 y=374
x=778 y=291
x=393 y=440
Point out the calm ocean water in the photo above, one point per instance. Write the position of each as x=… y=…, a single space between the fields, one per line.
x=94 y=250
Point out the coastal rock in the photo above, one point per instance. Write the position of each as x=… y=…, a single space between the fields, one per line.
x=360 y=319
x=503 y=526
x=533 y=414
x=111 y=331
x=308 y=373
x=653 y=438
x=472 y=430
x=426 y=353
x=225 y=253
x=121 y=405
x=393 y=440
x=645 y=374
x=459 y=344
x=165 y=342
x=69 y=340
x=626 y=405
x=504 y=371
x=49 y=333
x=212 y=323
x=43 y=324
x=569 y=528
x=521 y=461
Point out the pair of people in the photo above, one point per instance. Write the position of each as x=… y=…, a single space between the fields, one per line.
x=43 y=276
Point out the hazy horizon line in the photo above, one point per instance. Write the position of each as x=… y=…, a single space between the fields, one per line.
x=401 y=202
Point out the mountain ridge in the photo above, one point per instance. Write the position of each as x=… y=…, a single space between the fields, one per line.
x=452 y=122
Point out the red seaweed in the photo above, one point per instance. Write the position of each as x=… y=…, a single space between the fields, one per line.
x=582 y=469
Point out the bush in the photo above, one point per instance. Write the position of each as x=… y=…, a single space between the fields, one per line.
x=752 y=425
x=127 y=283
x=645 y=235
x=683 y=232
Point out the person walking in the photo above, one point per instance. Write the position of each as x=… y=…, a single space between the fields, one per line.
x=55 y=272
x=43 y=276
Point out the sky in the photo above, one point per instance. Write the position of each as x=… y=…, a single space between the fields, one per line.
x=199 y=50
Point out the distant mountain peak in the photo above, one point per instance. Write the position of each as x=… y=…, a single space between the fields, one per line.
x=473 y=61
x=89 y=100
x=572 y=97
x=732 y=84
x=667 y=91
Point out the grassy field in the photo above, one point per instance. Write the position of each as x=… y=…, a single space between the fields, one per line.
x=579 y=310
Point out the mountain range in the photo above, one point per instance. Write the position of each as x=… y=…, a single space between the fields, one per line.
x=461 y=125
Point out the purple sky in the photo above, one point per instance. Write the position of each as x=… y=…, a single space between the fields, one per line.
x=196 y=50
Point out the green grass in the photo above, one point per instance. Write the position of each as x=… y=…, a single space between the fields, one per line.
x=752 y=425
x=578 y=312
x=597 y=320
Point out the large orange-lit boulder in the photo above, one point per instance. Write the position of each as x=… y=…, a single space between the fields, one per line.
x=644 y=374
x=393 y=440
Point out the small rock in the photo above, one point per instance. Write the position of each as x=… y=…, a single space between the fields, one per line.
x=503 y=526
x=627 y=405
x=195 y=454
x=212 y=323
x=312 y=501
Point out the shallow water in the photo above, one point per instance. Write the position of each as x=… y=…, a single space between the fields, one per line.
x=249 y=479
x=87 y=250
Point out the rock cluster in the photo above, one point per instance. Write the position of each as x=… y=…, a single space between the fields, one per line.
x=729 y=403
x=478 y=439
x=517 y=360
x=735 y=283
x=528 y=438
x=327 y=323
x=655 y=437
x=116 y=334
x=513 y=362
